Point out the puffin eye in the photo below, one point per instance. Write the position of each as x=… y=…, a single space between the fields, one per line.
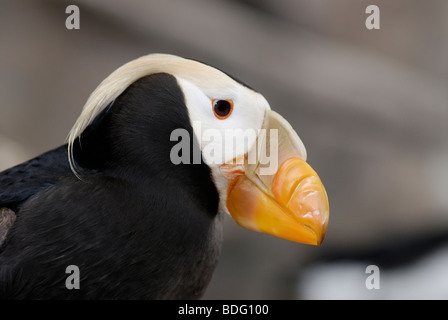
x=222 y=108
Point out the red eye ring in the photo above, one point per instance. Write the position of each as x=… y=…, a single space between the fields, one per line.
x=222 y=108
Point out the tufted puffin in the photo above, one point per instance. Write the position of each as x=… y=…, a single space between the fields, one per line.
x=163 y=149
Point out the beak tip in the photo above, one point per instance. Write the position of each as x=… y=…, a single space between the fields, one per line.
x=323 y=232
x=320 y=240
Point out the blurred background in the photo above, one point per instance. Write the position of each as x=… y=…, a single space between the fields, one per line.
x=371 y=107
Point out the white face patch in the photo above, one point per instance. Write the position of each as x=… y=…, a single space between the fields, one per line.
x=222 y=140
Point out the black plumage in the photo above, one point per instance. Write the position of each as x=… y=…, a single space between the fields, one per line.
x=136 y=225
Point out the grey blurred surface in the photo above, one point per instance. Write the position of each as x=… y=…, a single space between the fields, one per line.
x=371 y=106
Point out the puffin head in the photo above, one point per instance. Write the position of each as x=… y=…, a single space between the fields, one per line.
x=256 y=159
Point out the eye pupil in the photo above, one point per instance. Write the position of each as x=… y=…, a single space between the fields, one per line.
x=222 y=108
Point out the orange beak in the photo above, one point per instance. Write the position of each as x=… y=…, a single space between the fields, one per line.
x=286 y=200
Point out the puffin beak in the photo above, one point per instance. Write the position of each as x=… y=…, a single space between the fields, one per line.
x=277 y=192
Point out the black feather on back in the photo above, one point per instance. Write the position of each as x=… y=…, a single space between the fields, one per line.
x=136 y=225
x=18 y=183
